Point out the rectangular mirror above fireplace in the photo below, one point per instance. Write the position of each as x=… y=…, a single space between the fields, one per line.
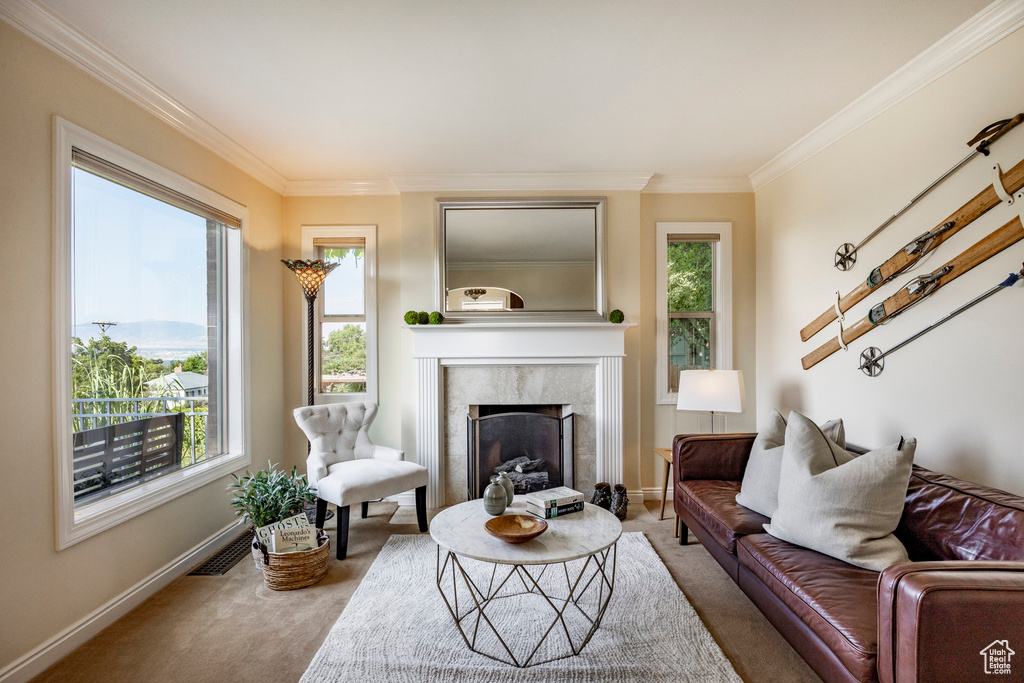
x=521 y=259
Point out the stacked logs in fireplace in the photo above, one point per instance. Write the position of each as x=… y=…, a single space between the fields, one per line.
x=533 y=445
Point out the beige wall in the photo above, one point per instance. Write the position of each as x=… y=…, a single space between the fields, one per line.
x=385 y=213
x=660 y=423
x=957 y=389
x=45 y=591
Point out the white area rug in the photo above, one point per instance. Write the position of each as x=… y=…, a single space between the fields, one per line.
x=397 y=629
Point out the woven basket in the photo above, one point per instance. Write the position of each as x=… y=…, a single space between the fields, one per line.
x=288 y=571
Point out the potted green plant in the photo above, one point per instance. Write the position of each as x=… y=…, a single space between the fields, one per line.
x=270 y=495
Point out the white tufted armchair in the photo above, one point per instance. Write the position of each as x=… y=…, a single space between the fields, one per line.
x=347 y=468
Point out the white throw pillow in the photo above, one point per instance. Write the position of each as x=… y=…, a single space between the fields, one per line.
x=839 y=504
x=759 y=490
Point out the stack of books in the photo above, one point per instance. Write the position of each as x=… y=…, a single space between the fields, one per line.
x=554 y=502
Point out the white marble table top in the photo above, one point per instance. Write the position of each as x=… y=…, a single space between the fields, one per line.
x=460 y=529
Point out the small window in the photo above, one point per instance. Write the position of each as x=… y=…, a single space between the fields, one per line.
x=343 y=317
x=346 y=312
x=691 y=304
x=694 y=297
x=150 y=367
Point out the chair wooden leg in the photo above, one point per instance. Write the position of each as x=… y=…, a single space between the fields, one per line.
x=421 y=507
x=683 y=532
x=342 y=532
x=321 y=513
x=366 y=508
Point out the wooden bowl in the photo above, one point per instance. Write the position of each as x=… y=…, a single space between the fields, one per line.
x=516 y=528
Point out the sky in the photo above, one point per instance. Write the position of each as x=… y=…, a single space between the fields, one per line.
x=135 y=258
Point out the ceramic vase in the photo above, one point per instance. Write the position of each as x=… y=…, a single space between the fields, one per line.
x=510 y=487
x=495 y=497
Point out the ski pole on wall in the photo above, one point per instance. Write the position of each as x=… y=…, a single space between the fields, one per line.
x=1001 y=189
x=846 y=255
x=919 y=288
x=872 y=359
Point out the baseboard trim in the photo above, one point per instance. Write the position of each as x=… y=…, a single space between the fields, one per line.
x=655 y=494
x=59 y=646
x=407 y=498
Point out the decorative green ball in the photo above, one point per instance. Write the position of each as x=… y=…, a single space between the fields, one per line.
x=436 y=318
x=412 y=317
x=616 y=316
x=423 y=318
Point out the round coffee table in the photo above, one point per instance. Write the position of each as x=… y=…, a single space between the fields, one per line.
x=495 y=590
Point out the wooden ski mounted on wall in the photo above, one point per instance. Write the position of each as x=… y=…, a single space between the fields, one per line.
x=846 y=255
x=872 y=359
x=921 y=287
x=1010 y=182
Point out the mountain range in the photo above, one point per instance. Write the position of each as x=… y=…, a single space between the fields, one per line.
x=164 y=339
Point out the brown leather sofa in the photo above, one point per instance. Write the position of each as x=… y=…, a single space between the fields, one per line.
x=933 y=619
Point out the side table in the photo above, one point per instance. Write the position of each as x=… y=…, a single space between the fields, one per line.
x=666 y=455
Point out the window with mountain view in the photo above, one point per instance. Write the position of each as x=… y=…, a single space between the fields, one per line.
x=153 y=377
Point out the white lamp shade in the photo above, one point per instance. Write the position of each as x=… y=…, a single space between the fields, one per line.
x=716 y=391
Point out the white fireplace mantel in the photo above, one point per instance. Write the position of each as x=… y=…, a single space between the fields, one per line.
x=599 y=344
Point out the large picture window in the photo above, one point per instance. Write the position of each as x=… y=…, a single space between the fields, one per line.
x=346 y=312
x=149 y=341
x=694 y=301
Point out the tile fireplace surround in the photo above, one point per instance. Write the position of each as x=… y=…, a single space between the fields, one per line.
x=573 y=364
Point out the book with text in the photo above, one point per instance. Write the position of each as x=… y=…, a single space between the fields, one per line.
x=266 y=533
x=556 y=511
x=294 y=540
x=562 y=495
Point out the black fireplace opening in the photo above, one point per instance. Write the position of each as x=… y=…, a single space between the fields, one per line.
x=532 y=444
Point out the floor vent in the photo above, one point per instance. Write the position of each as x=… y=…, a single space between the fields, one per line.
x=225 y=558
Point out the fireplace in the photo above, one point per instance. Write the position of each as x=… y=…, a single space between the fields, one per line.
x=532 y=444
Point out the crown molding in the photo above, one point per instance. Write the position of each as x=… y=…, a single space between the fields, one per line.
x=53 y=32
x=520 y=182
x=696 y=184
x=338 y=188
x=981 y=31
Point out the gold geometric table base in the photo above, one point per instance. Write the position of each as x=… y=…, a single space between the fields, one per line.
x=575 y=605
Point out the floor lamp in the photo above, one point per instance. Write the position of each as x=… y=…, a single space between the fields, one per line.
x=713 y=391
x=311 y=274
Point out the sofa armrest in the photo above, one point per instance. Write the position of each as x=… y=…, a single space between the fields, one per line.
x=938 y=620
x=711 y=456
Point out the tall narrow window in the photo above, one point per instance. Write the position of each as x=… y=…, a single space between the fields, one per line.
x=694 y=301
x=346 y=323
x=691 y=304
x=343 y=317
x=152 y=393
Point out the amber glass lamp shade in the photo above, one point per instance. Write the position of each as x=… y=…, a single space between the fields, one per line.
x=311 y=274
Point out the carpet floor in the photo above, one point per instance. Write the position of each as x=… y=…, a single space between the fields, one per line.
x=232 y=628
x=396 y=626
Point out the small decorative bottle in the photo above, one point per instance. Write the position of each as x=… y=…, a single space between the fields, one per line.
x=510 y=487
x=495 y=497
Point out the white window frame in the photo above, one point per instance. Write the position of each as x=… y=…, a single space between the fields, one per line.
x=722 y=297
x=309 y=251
x=74 y=525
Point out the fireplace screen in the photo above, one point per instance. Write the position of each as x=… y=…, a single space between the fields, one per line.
x=531 y=445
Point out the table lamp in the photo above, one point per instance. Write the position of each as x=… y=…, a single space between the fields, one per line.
x=711 y=391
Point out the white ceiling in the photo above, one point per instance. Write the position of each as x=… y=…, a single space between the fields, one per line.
x=328 y=90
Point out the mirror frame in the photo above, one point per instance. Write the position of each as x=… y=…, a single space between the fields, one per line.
x=597 y=314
